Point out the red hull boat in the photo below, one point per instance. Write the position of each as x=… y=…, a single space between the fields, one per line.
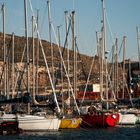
x=10 y=127
x=100 y=120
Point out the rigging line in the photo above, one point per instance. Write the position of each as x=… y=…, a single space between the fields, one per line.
x=48 y=66
x=114 y=53
x=120 y=48
x=65 y=69
x=66 y=40
x=23 y=70
x=109 y=79
x=127 y=86
x=87 y=78
x=65 y=43
x=109 y=26
x=46 y=63
x=20 y=73
x=112 y=37
x=81 y=62
x=87 y=81
x=111 y=86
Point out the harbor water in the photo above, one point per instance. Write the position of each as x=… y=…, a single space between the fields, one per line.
x=116 y=133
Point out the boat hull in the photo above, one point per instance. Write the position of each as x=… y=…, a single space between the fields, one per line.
x=128 y=119
x=100 y=120
x=38 y=123
x=8 y=124
x=70 y=123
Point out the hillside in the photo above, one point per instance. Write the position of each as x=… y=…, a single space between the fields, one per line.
x=83 y=61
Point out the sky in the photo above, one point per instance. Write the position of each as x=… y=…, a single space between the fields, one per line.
x=122 y=18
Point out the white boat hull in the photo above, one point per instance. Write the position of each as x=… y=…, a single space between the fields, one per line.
x=38 y=123
x=7 y=117
x=33 y=122
x=127 y=119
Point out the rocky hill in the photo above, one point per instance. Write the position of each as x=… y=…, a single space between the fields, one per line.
x=83 y=62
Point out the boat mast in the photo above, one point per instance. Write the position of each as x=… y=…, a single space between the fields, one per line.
x=104 y=28
x=104 y=49
x=138 y=43
x=62 y=80
x=75 y=54
x=124 y=45
x=101 y=67
x=97 y=41
x=116 y=68
x=13 y=66
x=50 y=36
x=67 y=46
x=129 y=70
x=33 y=46
x=37 y=52
x=103 y=46
x=5 y=52
x=27 y=50
x=113 y=68
x=33 y=60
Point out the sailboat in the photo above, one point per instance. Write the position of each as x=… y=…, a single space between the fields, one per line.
x=127 y=116
x=70 y=121
x=36 y=122
x=27 y=122
x=96 y=116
